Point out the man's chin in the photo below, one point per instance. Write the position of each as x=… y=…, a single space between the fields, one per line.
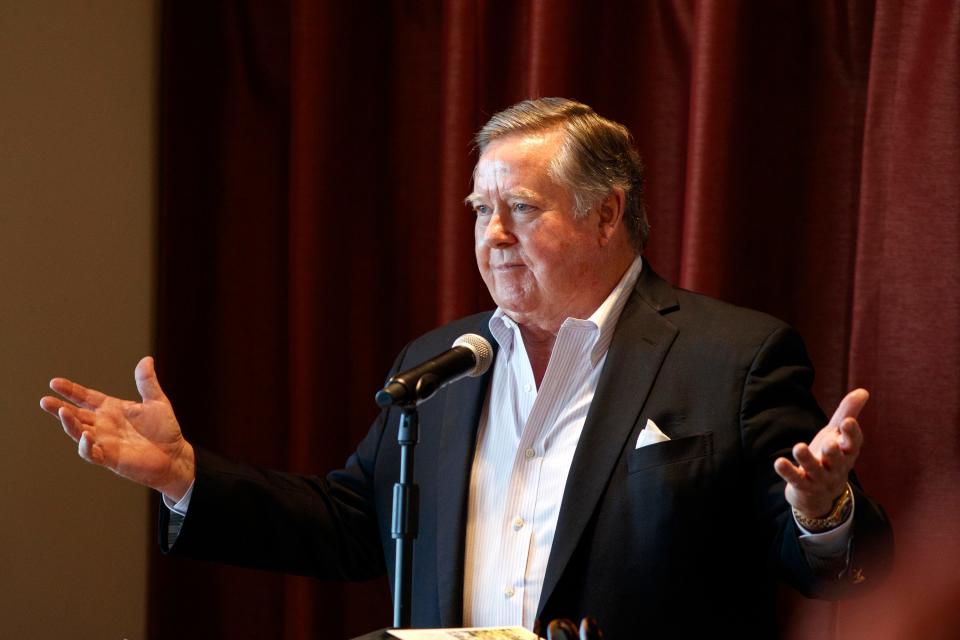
x=520 y=315
x=512 y=305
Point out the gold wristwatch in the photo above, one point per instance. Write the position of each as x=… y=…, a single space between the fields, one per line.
x=836 y=517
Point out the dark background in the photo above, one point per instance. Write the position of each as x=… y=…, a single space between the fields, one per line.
x=802 y=157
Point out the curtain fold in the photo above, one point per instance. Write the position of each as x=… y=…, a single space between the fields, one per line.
x=456 y=266
x=802 y=159
x=714 y=64
x=906 y=308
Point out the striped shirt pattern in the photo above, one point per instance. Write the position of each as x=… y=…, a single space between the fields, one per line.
x=526 y=441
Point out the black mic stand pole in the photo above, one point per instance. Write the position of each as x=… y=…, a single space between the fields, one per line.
x=406 y=506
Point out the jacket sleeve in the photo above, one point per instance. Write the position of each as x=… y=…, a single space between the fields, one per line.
x=324 y=527
x=777 y=411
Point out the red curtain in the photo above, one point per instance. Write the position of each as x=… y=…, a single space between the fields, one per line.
x=802 y=157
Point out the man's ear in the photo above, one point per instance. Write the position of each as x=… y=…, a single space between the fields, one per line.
x=610 y=211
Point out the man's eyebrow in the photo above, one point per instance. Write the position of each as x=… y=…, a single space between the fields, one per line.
x=520 y=192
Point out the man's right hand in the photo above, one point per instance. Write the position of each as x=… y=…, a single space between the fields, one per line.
x=140 y=441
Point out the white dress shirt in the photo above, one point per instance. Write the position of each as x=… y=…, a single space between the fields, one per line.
x=526 y=441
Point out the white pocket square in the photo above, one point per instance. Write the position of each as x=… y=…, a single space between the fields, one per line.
x=650 y=434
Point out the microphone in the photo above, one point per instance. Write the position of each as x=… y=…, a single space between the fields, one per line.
x=471 y=355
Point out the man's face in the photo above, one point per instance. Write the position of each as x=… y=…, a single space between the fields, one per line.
x=537 y=260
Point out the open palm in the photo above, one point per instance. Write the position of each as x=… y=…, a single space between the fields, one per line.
x=140 y=441
x=822 y=467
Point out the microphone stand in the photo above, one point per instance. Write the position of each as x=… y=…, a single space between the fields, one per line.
x=405 y=516
x=471 y=355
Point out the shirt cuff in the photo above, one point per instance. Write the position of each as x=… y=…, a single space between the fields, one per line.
x=829 y=550
x=180 y=507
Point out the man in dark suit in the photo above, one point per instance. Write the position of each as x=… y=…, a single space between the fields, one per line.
x=626 y=457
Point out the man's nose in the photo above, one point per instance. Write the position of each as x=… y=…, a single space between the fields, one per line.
x=498 y=233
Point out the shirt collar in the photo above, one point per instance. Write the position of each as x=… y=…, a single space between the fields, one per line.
x=604 y=318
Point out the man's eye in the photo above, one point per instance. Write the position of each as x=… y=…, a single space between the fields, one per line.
x=481 y=209
x=522 y=207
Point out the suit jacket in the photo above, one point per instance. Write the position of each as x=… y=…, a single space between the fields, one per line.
x=676 y=538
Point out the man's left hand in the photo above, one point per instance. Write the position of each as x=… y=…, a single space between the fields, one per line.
x=820 y=475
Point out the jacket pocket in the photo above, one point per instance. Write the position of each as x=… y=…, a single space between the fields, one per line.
x=655 y=455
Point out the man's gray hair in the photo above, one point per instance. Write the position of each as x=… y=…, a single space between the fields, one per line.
x=596 y=156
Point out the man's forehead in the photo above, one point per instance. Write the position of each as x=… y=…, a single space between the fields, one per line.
x=543 y=142
x=510 y=162
x=506 y=179
x=499 y=168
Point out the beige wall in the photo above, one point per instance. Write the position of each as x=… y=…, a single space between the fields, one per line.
x=77 y=148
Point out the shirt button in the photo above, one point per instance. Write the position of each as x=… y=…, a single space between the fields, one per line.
x=518 y=524
x=529 y=453
x=528 y=388
x=508 y=592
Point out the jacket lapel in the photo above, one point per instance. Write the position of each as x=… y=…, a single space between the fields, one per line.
x=640 y=343
x=458 y=437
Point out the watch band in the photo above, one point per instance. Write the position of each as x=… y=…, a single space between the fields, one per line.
x=837 y=516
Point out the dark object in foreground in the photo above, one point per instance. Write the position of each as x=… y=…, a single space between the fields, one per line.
x=563 y=629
